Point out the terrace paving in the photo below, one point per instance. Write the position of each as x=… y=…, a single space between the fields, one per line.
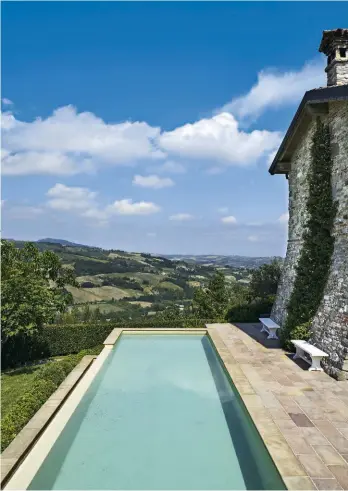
x=302 y=416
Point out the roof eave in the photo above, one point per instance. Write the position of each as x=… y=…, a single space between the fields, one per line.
x=314 y=102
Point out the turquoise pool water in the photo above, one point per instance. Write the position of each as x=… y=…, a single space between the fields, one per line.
x=161 y=414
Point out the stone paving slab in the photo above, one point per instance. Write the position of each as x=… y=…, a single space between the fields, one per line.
x=113 y=336
x=301 y=416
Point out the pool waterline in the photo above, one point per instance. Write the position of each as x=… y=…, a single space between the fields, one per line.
x=175 y=394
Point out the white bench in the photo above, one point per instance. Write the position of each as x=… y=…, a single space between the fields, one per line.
x=270 y=327
x=302 y=347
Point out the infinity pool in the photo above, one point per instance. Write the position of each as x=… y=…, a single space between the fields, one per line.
x=160 y=414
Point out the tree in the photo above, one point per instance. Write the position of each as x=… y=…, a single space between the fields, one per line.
x=32 y=288
x=96 y=315
x=171 y=314
x=212 y=302
x=264 y=281
x=86 y=313
x=75 y=315
x=238 y=293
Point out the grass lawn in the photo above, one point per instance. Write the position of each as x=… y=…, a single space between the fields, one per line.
x=13 y=383
x=100 y=293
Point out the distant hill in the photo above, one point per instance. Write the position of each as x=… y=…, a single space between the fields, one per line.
x=119 y=277
x=62 y=242
x=232 y=261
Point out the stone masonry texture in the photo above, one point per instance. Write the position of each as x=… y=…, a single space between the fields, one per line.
x=298 y=194
x=330 y=325
x=338 y=74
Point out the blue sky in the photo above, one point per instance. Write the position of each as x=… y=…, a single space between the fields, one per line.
x=150 y=126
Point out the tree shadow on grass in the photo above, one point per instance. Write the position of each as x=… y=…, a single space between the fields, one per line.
x=28 y=369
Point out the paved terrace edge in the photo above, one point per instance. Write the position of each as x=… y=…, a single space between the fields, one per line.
x=315 y=458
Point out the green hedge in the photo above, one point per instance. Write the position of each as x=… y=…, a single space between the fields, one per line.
x=64 y=339
x=249 y=312
x=21 y=349
x=46 y=381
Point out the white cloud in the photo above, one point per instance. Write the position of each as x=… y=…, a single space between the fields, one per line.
x=219 y=139
x=83 y=202
x=231 y=220
x=253 y=238
x=127 y=207
x=8 y=121
x=181 y=217
x=152 y=181
x=24 y=212
x=151 y=234
x=68 y=142
x=271 y=158
x=223 y=210
x=274 y=89
x=284 y=218
x=6 y=102
x=54 y=163
x=67 y=198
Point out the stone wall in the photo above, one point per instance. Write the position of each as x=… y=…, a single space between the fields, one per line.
x=330 y=325
x=338 y=73
x=298 y=194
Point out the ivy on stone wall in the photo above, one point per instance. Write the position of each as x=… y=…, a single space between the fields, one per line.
x=314 y=263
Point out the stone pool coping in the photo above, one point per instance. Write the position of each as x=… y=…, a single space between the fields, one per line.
x=244 y=359
x=12 y=456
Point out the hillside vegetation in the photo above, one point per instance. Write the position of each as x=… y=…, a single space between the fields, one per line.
x=119 y=285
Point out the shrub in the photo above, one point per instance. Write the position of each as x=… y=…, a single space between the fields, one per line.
x=249 y=312
x=301 y=331
x=46 y=381
x=191 y=321
x=72 y=338
x=23 y=348
x=52 y=371
x=24 y=409
x=87 y=284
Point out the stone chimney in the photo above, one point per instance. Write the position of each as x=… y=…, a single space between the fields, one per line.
x=335 y=45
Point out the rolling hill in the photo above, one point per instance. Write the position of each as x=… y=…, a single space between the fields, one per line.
x=132 y=283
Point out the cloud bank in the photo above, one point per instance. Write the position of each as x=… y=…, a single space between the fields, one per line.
x=275 y=89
